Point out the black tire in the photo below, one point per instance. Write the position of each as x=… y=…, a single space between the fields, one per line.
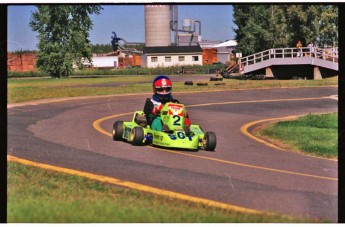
x=211 y=141
x=225 y=74
x=118 y=130
x=137 y=136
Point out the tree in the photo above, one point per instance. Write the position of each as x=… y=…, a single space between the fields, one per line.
x=328 y=27
x=261 y=27
x=302 y=22
x=101 y=48
x=277 y=26
x=250 y=33
x=63 y=36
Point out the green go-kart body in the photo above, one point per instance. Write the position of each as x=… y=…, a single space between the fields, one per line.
x=138 y=132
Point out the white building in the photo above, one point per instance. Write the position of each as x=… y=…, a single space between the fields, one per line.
x=171 y=56
x=105 y=61
x=224 y=50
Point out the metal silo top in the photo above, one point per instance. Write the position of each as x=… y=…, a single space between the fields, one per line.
x=157 y=25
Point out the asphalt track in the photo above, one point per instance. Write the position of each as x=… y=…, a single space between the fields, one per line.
x=242 y=173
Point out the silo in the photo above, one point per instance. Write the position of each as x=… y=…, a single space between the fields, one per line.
x=157 y=25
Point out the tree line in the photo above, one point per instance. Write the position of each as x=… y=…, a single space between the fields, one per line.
x=264 y=26
x=95 y=48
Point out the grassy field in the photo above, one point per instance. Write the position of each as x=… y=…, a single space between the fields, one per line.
x=312 y=134
x=21 y=90
x=42 y=196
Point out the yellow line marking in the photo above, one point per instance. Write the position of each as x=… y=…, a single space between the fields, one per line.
x=255 y=101
x=247 y=165
x=132 y=185
x=55 y=100
x=45 y=101
x=244 y=130
x=97 y=126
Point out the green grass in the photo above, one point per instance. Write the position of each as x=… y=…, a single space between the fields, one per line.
x=312 y=134
x=43 y=196
x=21 y=90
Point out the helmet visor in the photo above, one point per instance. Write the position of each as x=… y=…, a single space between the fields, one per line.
x=163 y=89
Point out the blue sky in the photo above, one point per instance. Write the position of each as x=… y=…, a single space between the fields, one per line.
x=126 y=20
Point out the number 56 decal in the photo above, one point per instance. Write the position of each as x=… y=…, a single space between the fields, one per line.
x=180 y=135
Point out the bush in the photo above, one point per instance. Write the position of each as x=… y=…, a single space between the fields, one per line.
x=205 y=69
x=15 y=74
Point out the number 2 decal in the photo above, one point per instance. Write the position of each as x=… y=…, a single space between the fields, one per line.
x=177 y=121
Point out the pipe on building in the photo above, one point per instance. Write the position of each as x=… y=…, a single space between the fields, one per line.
x=197 y=21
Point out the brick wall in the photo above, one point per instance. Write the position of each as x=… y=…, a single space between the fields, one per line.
x=209 y=56
x=21 y=62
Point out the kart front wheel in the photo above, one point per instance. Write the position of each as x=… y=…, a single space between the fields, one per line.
x=118 y=130
x=137 y=136
x=210 y=141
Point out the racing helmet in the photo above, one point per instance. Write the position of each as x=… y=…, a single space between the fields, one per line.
x=162 y=85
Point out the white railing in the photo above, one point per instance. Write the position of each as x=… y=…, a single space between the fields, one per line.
x=329 y=54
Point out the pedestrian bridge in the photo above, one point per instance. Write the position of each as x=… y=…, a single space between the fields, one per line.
x=316 y=57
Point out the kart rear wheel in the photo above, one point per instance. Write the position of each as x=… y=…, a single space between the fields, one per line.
x=118 y=130
x=210 y=141
x=137 y=136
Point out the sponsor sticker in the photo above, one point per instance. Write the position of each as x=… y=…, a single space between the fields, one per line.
x=175 y=109
x=158 y=137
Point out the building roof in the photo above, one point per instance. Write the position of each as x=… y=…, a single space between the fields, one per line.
x=208 y=43
x=172 y=49
x=229 y=43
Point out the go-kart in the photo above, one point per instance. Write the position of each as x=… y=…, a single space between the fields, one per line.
x=138 y=132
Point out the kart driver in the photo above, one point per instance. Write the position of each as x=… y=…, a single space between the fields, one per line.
x=162 y=88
